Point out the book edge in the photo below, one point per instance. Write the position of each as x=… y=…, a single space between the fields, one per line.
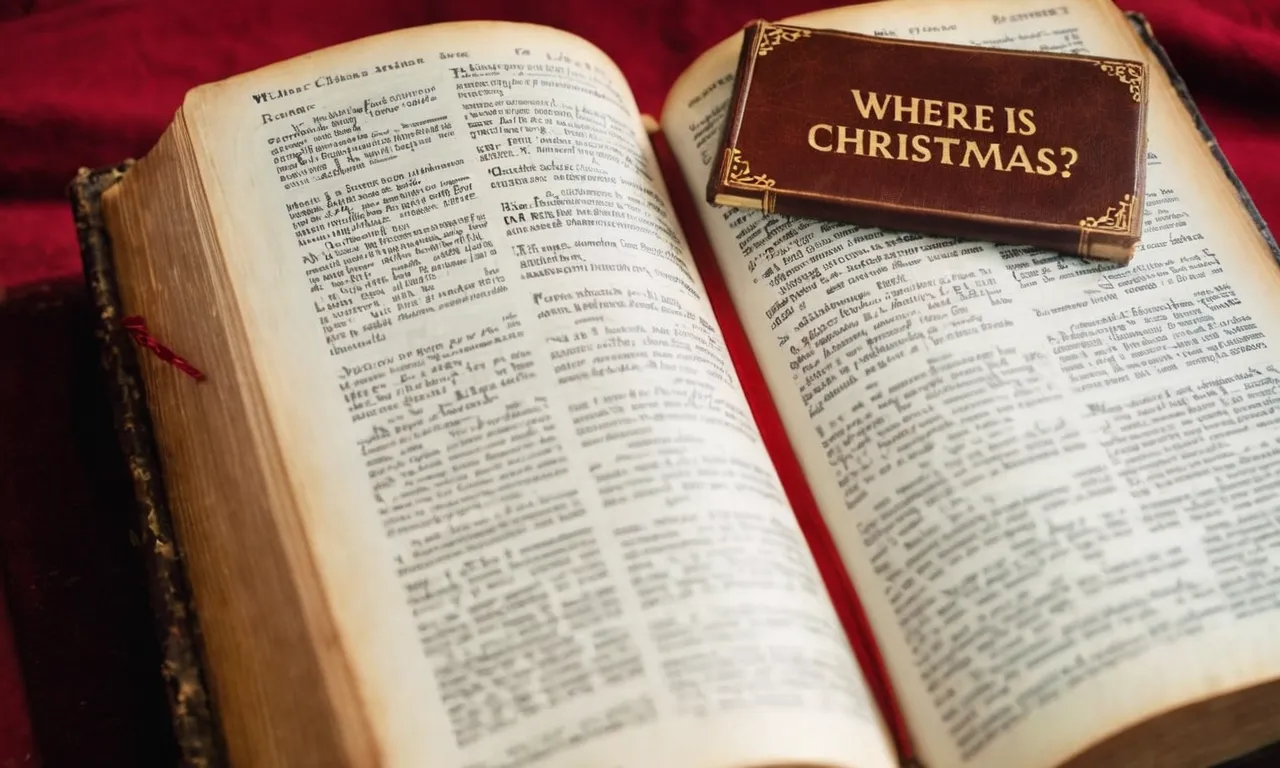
x=720 y=187
x=194 y=719
x=1147 y=35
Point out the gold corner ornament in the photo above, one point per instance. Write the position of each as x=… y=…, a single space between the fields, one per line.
x=772 y=36
x=1116 y=219
x=1129 y=73
x=740 y=174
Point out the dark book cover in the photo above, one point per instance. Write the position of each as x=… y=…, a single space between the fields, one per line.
x=181 y=667
x=1024 y=147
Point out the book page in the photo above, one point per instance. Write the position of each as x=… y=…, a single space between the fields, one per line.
x=548 y=527
x=1051 y=480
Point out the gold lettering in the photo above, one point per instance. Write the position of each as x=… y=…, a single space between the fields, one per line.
x=1046 y=167
x=1066 y=164
x=902 y=146
x=879 y=144
x=1009 y=126
x=932 y=113
x=842 y=138
x=920 y=143
x=813 y=137
x=873 y=104
x=982 y=118
x=1019 y=159
x=913 y=110
x=1024 y=117
x=947 y=143
x=956 y=114
x=992 y=155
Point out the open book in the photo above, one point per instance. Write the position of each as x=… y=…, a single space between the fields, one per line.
x=474 y=479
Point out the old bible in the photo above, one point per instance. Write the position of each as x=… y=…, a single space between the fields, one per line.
x=502 y=461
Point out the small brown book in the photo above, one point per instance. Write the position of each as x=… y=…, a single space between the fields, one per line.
x=1023 y=147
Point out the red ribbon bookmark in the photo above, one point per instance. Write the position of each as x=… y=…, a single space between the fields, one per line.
x=137 y=328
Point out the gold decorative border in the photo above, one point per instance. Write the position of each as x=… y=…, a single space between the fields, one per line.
x=773 y=35
x=739 y=172
x=1116 y=219
x=1130 y=73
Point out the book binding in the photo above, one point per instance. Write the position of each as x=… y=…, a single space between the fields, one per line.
x=195 y=726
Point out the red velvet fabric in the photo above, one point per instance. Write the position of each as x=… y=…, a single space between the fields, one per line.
x=89 y=82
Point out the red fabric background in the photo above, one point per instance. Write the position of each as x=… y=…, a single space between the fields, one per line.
x=89 y=82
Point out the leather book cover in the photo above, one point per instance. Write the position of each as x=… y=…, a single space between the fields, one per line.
x=1022 y=147
x=195 y=726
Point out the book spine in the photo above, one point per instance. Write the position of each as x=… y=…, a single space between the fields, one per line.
x=835 y=577
x=195 y=726
x=729 y=166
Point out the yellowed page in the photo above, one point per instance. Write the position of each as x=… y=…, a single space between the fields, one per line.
x=1051 y=480
x=548 y=528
